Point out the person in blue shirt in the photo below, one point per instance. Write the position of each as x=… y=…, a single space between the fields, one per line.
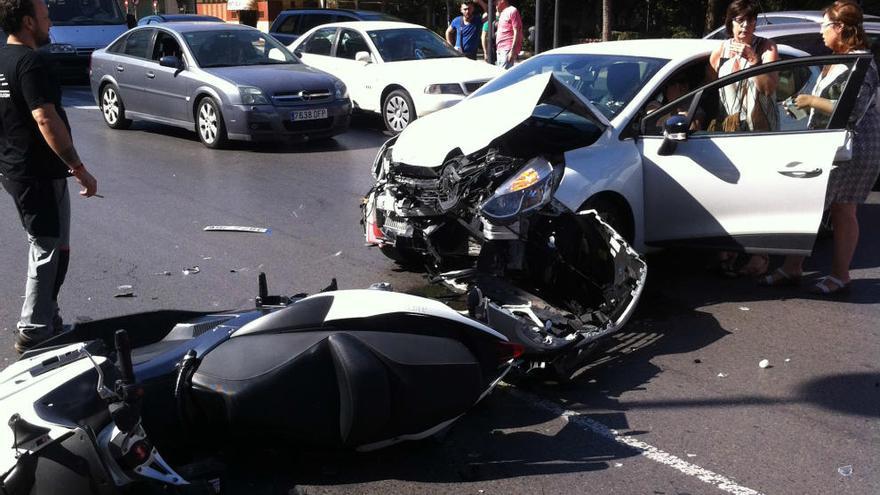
x=464 y=31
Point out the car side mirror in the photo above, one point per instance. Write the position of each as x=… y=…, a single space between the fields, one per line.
x=363 y=57
x=130 y=20
x=675 y=130
x=298 y=53
x=171 y=61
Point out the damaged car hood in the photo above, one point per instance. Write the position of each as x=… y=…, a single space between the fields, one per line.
x=427 y=141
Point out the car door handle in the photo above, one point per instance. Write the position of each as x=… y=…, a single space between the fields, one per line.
x=150 y=75
x=120 y=68
x=802 y=174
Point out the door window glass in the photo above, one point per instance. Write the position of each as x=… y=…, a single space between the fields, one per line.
x=288 y=25
x=321 y=42
x=138 y=43
x=165 y=45
x=350 y=43
x=764 y=102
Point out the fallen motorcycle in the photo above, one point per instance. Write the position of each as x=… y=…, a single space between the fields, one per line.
x=358 y=369
x=483 y=218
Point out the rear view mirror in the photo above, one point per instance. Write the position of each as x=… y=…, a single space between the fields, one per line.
x=298 y=53
x=363 y=57
x=171 y=61
x=675 y=130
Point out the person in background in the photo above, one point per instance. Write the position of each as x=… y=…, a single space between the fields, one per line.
x=464 y=31
x=509 y=35
x=849 y=185
x=749 y=105
x=36 y=158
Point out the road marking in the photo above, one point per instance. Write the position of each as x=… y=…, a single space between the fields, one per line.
x=649 y=451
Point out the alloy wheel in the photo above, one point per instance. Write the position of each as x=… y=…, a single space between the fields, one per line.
x=397 y=113
x=208 y=123
x=110 y=105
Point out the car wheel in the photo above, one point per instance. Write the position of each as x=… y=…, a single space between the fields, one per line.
x=209 y=124
x=398 y=111
x=112 y=108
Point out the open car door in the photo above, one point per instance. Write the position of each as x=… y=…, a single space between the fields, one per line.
x=745 y=170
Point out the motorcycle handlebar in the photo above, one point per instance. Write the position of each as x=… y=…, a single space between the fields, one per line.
x=123 y=357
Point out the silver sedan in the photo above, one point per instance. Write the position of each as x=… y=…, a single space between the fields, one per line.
x=225 y=81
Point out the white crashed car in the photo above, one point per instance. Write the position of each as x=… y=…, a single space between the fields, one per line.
x=402 y=71
x=598 y=111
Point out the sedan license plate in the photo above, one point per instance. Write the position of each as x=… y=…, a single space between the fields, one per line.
x=313 y=114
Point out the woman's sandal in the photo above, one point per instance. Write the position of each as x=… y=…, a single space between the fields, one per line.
x=824 y=288
x=779 y=278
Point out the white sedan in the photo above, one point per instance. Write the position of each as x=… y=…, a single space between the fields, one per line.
x=403 y=71
x=642 y=136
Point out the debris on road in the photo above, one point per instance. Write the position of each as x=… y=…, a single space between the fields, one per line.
x=124 y=291
x=744 y=308
x=192 y=270
x=698 y=361
x=722 y=375
x=235 y=228
x=165 y=273
x=787 y=360
x=845 y=470
x=764 y=363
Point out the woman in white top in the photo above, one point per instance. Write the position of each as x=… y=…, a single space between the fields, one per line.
x=748 y=105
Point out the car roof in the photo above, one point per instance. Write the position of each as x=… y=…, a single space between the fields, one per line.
x=679 y=48
x=184 y=17
x=812 y=15
x=350 y=11
x=374 y=25
x=191 y=26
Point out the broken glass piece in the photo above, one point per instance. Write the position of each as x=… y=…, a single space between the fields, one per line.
x=235 y=228
x=845 y=470
x=188 y=271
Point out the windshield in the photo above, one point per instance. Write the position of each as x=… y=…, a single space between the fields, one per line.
x=396 y=45
x=608 y=81
x=232 y=48
x=85 y=12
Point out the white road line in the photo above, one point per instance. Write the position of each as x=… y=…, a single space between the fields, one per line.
x=649 y=451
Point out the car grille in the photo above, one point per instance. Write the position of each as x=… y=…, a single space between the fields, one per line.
x=308 y=125
x=470 y=87
x=298 y=97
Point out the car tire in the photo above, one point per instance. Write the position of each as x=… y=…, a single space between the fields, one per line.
x=398 y=111
x=209 y=124
x=112 y=108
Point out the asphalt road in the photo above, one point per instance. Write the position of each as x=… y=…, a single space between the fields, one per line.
x=677 y=404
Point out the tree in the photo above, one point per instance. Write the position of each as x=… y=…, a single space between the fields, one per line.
x=606 y=20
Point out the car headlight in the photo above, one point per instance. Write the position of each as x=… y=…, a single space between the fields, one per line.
x=60 y=48
x=252 y=96
x=341 y=90
x=444 y=89
x=531 y=187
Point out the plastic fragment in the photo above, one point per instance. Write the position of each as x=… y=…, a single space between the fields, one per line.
x=692 y=455
x=124 y=291
x=165 y=273
x=618 y=464
x=192 y=270
x=722 y=375
x=764 y=363
x=235 y=228
x=787 y=360
x=743 y=308
x=845 y=470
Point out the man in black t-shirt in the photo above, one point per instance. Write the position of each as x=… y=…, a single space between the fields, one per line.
x=36 y=157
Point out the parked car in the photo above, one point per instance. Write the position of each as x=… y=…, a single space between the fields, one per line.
x=291 y=24
x=782 y=18
x=227 y=81
x=160 y=18
x=660 y=176
x=78 y=29
x=403 y=71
